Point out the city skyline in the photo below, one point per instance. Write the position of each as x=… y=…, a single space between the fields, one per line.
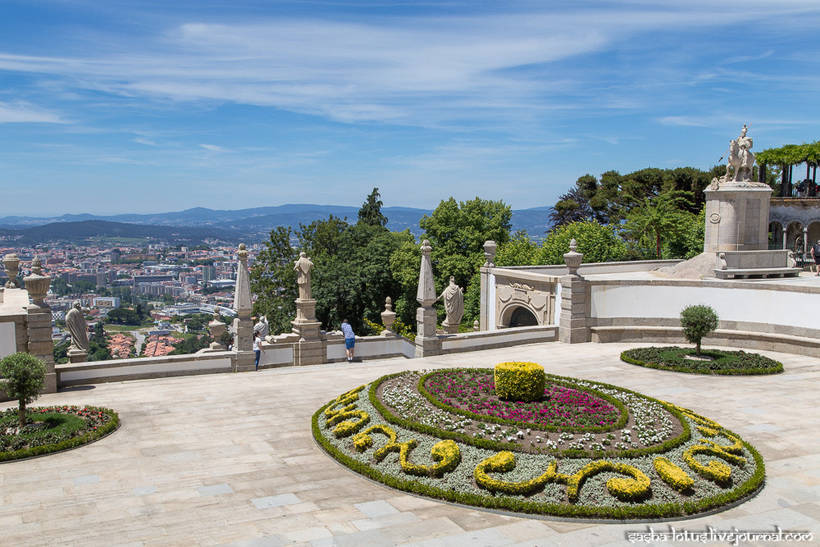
x=145 y=107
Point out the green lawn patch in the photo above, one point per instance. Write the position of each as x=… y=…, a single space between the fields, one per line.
x=680 y=359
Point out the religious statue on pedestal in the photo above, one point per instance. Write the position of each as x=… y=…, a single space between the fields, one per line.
x=453 y=304
x=303 y=267
x=77 y=327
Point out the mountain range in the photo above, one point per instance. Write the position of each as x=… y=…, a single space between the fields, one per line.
x=199 y=223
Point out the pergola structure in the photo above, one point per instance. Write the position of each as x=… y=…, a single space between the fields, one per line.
x=794 y=216
x=787 y=157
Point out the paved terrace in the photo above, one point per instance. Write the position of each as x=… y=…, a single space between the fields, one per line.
x=229 y=459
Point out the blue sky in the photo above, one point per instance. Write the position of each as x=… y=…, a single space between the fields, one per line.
x=110 y=107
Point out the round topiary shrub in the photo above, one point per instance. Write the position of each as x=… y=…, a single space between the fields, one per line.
x=519 y=381
x=697 y=322
x=25 y=376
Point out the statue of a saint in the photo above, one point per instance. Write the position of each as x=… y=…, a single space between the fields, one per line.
x=77 y=327
x=303 y=267
x=453 y=303
x=262 y=327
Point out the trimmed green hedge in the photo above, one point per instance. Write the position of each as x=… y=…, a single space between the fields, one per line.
x=109 y=427
x=676 y=359
x=506 y=503
x=519 y=381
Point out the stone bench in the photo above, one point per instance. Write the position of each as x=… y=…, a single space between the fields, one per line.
x=750 y=264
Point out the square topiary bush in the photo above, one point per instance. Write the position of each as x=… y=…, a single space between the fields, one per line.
x=520 y=381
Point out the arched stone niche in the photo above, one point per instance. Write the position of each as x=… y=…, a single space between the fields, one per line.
x=535 y=296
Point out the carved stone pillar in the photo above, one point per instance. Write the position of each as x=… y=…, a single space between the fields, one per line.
x=243 y=325
x=39 y=323
x=485 y=316
x=427 y=342
x=573 y=326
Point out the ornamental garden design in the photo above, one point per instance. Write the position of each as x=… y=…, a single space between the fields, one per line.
x=518 y=439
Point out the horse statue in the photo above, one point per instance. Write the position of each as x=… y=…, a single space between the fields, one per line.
x=739 y=163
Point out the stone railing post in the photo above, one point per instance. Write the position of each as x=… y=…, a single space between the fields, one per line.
x=427 y=342
x=573 y=325
x=485 y=308
x=243 y=325
x=38 y=318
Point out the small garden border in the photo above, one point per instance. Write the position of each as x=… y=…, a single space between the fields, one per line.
x=673 y=358
x=88 y=437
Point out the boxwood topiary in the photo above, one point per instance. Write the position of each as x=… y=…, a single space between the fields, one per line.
x=520 y=381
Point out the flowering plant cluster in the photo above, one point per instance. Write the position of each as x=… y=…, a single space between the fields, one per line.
x=53 y=428
x=564 y=407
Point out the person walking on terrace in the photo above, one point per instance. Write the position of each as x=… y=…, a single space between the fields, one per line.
x=257 y=350
x=815 y=254
x=350 y=340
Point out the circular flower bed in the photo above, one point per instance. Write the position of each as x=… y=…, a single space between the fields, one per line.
x=52 y=429
x=709 y=362
x=419 y=433
x=473 y=391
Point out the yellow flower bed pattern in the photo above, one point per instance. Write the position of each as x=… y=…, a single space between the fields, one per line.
x=706 y=458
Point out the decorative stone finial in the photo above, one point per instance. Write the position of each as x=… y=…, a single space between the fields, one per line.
x=388 y=316
x=572 y=258
x=36 y=283
x=12 y=264
x=242 y=253
x=490 y=247
x=476 y=325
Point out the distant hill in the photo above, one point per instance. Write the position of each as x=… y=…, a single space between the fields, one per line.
x=88 y=230
x=199 y=223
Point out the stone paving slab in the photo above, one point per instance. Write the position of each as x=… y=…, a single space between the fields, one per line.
x=228 y=459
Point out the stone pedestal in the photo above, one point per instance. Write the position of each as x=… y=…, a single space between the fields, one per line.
x=573 y=325
x=450 y=329
x=427 y=341
x=39 y=323
x=737 y=217
x=312 y=352
x=77 y=356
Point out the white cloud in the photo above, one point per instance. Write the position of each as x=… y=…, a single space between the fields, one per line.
x=430 y=71
x=213 y=148
x=21 y=112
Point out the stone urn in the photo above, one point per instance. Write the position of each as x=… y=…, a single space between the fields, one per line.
x=490 y=248
x=388 y=317
x=12 y=264
x=37 y=284
x=572 y=258
x=217 y=329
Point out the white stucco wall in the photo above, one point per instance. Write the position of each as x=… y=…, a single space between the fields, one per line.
x=8 y=344
x=768 y=306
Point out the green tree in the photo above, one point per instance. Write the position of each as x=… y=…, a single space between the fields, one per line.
x=457 y=232
x=98 y=344
x=273 y=280
x=371 y=211
x=697 y=322
x=61 y=352
x=597 y=242
x=656 y=221
x=25 y=376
